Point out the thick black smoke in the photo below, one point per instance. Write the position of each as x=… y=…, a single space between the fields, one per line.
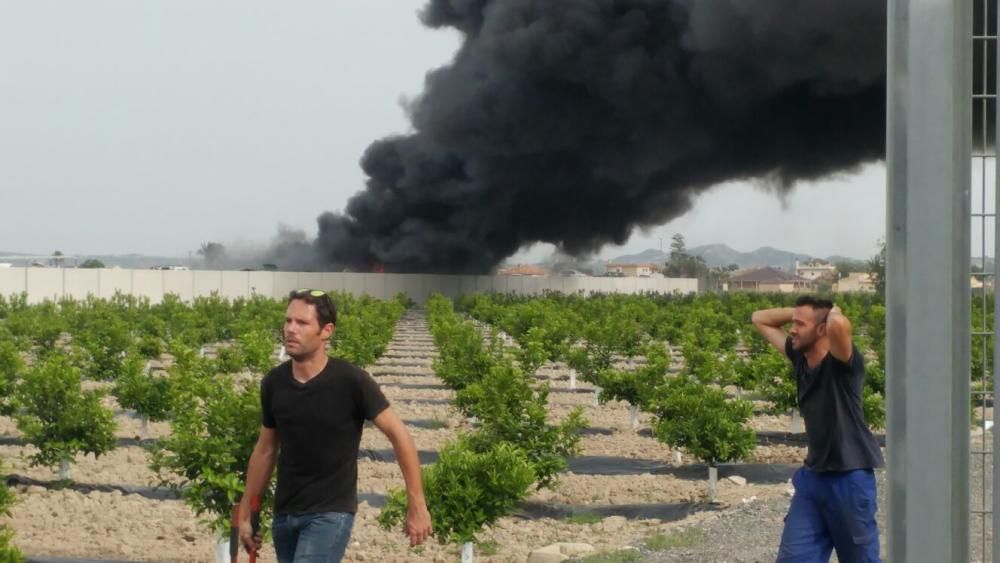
x=576 y=121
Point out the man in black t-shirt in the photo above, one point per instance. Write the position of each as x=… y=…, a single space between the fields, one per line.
x=835 y=494
x=313 y=410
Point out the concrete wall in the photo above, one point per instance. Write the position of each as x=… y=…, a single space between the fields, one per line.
x=53 y=283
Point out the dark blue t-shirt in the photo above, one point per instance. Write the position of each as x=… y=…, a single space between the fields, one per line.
x=830 y=403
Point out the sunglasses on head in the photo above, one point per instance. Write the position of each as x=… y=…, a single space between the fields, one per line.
x=313 y=292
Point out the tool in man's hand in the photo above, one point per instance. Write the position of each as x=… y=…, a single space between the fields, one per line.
x=234 y=529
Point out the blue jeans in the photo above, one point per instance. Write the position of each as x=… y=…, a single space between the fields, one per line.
x=831 y=510
x=319 y=537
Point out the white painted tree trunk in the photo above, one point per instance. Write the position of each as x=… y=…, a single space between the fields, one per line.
x=63 y=469
x=597 y=394
x=633 y=416
x=796 y=422
x=149 y=366
x=467 y=552
x=222 y=549
x=201 y=352
x=677 y=457
x=144 y=428
x=282 y=354
x=713 y=483
x=572 y=380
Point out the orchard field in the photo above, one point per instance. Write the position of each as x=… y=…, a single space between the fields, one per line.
x=584 y=425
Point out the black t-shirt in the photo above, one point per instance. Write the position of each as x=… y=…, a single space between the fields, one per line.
x=830 y=402
x=319 y=426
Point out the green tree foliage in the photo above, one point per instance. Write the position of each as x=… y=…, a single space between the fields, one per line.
x=57 y=417
x=213 y=432
x=681 y=264
x=702 y=420
x=467 y=490
x=510 y=410
x=462 y=357
x=635 y=387
x=365 y=328
x=106 y=337
x=148 y=395
x=8 y=551
x=483 y=477
x=876 y=267
x=771 y=373
x=11 y=367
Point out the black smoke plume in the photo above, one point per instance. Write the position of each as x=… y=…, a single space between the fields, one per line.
x=575 y=122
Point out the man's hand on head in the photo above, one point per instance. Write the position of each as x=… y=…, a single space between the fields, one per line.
x=831 y=313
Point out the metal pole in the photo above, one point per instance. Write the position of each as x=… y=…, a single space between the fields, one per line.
x=927 y=291
x=996 y=284
x=996 y=360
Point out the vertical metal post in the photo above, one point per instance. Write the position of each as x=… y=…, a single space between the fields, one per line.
x=984 y=183
x=927 y=290
x=990 y=29
x=996 y=340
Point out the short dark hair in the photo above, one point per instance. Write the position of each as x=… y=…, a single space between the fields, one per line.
x=326 y=311
x=814 y=302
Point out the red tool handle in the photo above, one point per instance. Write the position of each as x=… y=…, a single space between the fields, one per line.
x=254 y=523
x=234 y=529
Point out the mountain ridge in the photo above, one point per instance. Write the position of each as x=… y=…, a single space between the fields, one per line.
x=724 y=255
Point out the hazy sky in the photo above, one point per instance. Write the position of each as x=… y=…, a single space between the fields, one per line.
x=152 y=127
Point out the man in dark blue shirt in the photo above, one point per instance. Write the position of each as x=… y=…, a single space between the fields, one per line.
x=835 y=495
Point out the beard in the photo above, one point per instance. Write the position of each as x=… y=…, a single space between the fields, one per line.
x=297 y=356
x=303 y=353
x=803 y=344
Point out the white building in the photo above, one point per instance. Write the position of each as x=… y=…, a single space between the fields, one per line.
x=633 y=270
x=814 y=269
x=855 y=282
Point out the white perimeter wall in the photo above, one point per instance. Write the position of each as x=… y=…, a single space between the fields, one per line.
x=54 y=283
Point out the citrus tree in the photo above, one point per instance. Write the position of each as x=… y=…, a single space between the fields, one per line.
x=60 y=419
x=466 y=490
x=214 y=429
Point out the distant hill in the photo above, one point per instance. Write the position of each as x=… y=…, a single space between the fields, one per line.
x=722 y=255
x=838 y=258
x=137 y=261
x=129 y=261
x=651 y=255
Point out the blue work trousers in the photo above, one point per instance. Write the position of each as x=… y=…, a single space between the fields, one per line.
x=831 y=510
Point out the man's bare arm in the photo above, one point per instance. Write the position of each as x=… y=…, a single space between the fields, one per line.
x=838 y=330
x=418 y=519
x=770 y=323
x=259 y=471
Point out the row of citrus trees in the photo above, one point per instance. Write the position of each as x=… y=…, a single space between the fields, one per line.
x=211 y=403
x=711 y=335
x=593 y=336
x=485 y=473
